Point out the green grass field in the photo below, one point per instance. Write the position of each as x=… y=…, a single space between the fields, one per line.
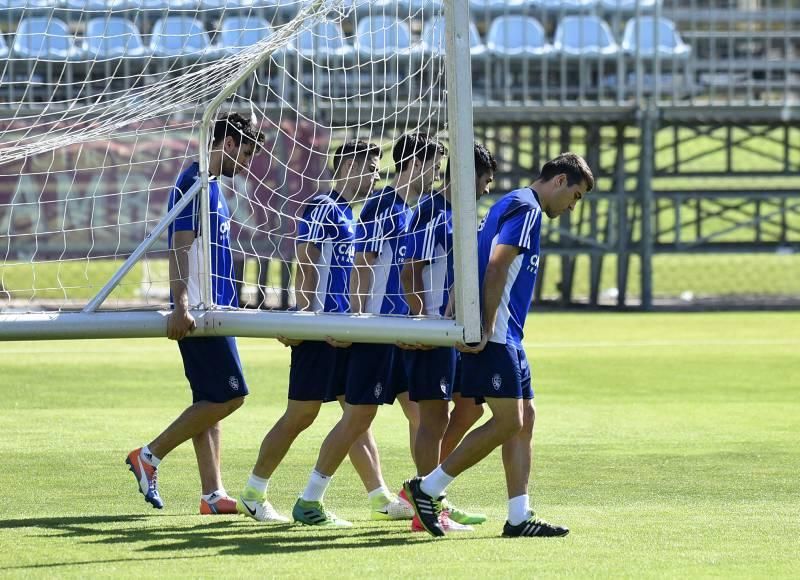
x=666 y=442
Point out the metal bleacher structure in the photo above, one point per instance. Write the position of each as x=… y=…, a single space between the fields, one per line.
x=663 y=97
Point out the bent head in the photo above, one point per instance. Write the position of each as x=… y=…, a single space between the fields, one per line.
x=356 y=163
x=236 y=139
x=419 y=156
x=485 y=168
x=562 y=183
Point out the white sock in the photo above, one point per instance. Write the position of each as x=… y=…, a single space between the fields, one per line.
x=436 y=482
x=217 y=495
x=380 y=492
x=519 y=509
x=260 y=484
x=148 y=457
x=317 y=484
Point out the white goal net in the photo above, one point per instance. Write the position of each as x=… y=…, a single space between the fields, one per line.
x=102 y=106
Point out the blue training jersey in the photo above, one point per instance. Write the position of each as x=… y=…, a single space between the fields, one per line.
x=381 y=229
x=222 y=277
x=430 y=239
x=328 y=224
x=515 y=220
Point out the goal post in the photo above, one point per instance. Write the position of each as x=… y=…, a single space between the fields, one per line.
x=299 y=81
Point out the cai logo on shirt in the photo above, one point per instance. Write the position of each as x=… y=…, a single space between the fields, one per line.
x=533 y=264
x=347 y=250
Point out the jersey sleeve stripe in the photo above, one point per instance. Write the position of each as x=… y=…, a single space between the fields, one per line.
x=427 y=244
x=376 y=235
x=523 y=240
x=317 y=220
x=535 y=216
x=377 y=238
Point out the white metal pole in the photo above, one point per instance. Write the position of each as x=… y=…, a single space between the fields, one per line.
x=206 y=298
x=303 y=325
x=458 y=69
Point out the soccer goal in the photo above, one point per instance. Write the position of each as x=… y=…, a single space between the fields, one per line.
x=104 y=104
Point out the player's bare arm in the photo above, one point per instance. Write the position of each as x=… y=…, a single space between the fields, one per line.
x=494 y=284
x=180 y=322
x=361 y=281
x=413 y=286
x=450 y=309
x=305 y=283
x=306 y=280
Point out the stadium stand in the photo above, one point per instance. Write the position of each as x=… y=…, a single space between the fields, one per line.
x=517 y=37
x=156 y=5
x=568 y=6
x=181 y=37
x=227 y=5
x=710 y=51
x=112 y=38
x=628 y=6
x=433 y=38
x=239 y=32
x=324 y=42
x=582 y=36
x=648 y=36
x=383 y=35
x=488 y=8
x=45 y=38
x=27 y=5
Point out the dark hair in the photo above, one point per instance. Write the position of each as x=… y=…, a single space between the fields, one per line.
x=415 y=145
x=484 y=162
x=236 y=126
x=573 y=166
x=352 y=150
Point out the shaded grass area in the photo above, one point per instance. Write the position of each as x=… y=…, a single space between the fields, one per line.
x=666 y=442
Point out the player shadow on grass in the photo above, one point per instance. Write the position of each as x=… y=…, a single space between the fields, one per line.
x=228 y=537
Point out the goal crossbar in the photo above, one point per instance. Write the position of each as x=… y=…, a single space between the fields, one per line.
x=300 y=325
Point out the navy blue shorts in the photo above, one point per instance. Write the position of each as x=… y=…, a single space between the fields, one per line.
x=499 y=370
x=317 y=371
x=399 y=376
x=213 y=368
x=457 y=374
x=431 y=374
x=458 y=380
x=370 y=374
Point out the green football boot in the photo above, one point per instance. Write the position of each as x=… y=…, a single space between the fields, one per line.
x=313 y=513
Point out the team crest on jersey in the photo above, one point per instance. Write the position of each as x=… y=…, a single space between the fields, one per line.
x=443 y=385
x=233 y=382
x=497 y=381
x=378 y=390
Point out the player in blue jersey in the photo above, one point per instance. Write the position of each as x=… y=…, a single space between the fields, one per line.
x=465 y=410
x=325 y=250
x=371 y=374
x=497 y=368
x=211 y=364
x=427 y=277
